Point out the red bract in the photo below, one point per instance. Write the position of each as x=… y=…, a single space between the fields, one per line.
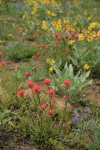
x=47 y=81
x=66 y=36
x=42 y=106
x=67 y=50
x=30 y=83
x=65 y=28
x=59 y=37
x=70 y=30
x=39 y=25
x=36 y=89
x=52 y=104
x=51 y=91
x=20 y=93
x=56 y=34
x=26 y=74
x=55 y=42
x=50 y=112
x=43 y=45
x=38 y=54
x=0 y=53
x=37 y=46
x=33 y=57
x=3 y=63
x=18 y=27
x=26 y=30
x=35 y=31
x=17 y=67
x=65 y=97
x=66 y=83
x=76 y=36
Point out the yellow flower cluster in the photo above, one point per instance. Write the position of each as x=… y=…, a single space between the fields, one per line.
x=58 y=25
x=85 y=34
x=92 y=25
x=51 y=62
x=81 y=37
x=70 y=42
x=51 y=69
x=98 y=34
x=25 y=15
x=86 y=66
x=35 y=9
x=47 y=12
x=44 y=27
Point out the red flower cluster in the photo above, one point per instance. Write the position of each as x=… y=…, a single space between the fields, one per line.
x=72 y=34
x=55 y=42
x=17 y=67
x=52 y=104
x=38 y=54
x=67 y=50
x=30 y=83
x=3 y=63
x=33 y=56
x=58 y=36
x=20 y=92
x=50 y=112
x=65 y=97
x=37 y=46
x=18 y=27
x=51 y=91
x=47 y=81
x=42 y=106
x=43 y=45
x=66 y=83
x=36 y=89
x=26 y=74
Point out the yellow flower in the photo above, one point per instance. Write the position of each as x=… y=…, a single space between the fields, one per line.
x=52 y=62
x=70 y=42
x=51 y=69
x=54 y=15
x=29 y=22
x=48 y=60
x=75 y=23
x=67 y=26
x=78 y=30
x=59 y=20
x=98 y=25
x=86 y=66
x=44 y=25
x=89 y=18
x=81 y=37
x=48 y=30
x=58 y=26
x=89 y=38
x=24 y=16
x=98 y=34
x=53 y=23
x=47 y=12
x=66 y=21
x=78 y=16
x=94 y=34
x=89 y=28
